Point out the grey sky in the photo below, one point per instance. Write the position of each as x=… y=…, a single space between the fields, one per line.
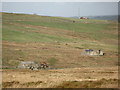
x=65 y=9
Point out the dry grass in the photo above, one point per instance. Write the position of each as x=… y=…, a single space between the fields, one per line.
x=111 y=83
x=15 y=52
x=54 y=78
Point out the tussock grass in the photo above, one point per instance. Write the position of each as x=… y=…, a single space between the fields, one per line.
x=9 y=84
x=89 y=84
x=14 y=83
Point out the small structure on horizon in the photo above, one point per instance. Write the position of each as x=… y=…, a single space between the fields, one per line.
x=83 y=18
x=91 y=52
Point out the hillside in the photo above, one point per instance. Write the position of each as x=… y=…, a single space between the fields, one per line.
x=107 y=17
x=59 y=42
x=32 y=37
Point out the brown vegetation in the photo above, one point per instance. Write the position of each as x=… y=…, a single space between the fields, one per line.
x=103 y=77
x=110 y=83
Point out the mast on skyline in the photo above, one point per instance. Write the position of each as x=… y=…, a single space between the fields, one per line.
x=79 y=12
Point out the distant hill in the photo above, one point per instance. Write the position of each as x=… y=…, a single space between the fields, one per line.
x=111 y=17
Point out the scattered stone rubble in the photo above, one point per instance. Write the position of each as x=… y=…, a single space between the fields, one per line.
x=91 y=52
x=32 y=65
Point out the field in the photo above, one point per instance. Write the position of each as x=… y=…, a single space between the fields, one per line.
x=59 y=42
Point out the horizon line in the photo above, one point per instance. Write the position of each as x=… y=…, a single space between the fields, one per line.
x=56 y=15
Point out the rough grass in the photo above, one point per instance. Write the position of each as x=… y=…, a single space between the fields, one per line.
x=69 y=84
x=94 y=29
x=89 y=84
x=40 y=38
x=52 y=61
x=57 y=55
x=59 y=42
x=11 y=33
x=7 y=84
x=101 y=77
x=17 y=83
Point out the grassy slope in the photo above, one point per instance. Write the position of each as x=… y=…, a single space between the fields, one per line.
x=96 y=29
x=21 y=29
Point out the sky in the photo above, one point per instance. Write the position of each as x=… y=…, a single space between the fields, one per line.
x=64 y=9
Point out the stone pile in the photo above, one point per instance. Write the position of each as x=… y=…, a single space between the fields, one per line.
x=32 y=65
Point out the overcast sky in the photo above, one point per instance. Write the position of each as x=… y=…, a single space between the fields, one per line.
x=64 y=9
